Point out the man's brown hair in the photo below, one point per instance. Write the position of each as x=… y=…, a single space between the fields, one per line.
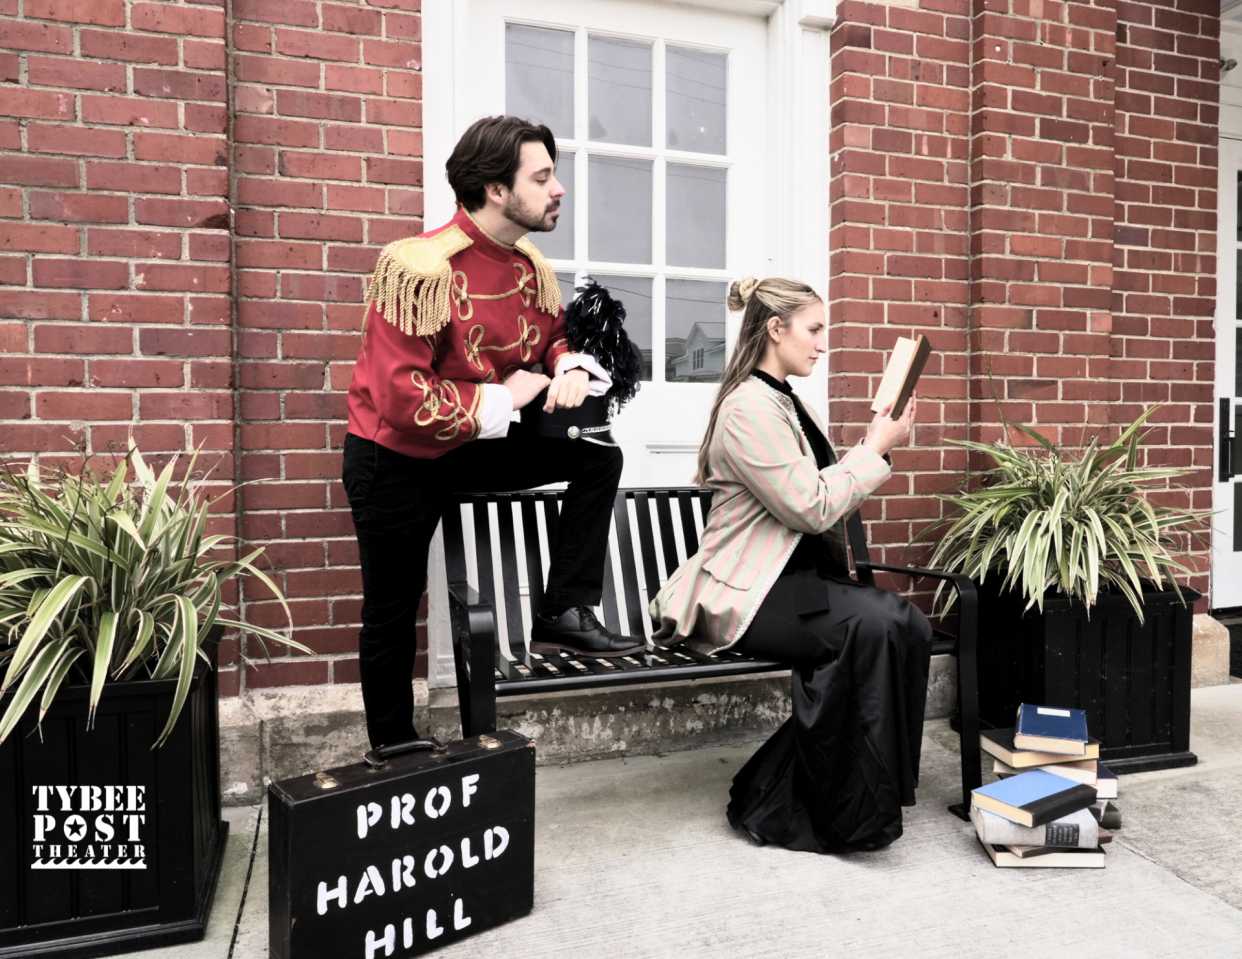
x=491 y=152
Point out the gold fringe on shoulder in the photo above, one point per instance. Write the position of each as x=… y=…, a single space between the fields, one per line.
x=545 y=277
x=413 y=281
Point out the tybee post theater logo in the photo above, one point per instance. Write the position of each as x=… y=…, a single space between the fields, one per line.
x=89 y=827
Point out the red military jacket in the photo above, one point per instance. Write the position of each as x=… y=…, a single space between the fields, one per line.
x=449 y=311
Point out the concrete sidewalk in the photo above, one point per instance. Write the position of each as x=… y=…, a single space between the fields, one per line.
x=634 y=859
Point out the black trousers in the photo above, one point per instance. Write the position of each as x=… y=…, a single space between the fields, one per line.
x=835 y=776
x=396 y=502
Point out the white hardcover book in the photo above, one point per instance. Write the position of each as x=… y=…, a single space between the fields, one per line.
x=1077 y=830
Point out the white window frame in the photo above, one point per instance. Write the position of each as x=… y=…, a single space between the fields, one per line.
x=797 y=137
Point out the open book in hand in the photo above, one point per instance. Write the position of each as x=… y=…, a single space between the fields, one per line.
x=902 y=373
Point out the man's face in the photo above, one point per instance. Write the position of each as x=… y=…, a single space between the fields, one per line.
x=535 y=200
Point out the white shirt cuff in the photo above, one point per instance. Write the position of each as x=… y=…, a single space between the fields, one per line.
x=600 y=383
x=497 y=411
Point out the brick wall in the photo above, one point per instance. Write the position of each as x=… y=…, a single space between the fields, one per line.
x=1087 y=142
x=327 y=147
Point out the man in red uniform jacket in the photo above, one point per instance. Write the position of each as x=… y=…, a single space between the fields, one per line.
x=457 y=319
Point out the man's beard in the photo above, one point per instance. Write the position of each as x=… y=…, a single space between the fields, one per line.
x=519 y=213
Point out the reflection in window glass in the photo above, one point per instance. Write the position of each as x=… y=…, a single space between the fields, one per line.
x=559 y=244
x=634 y=293
x=695 y=216
x=1237 y=302
x=695 y=99
x=619 y=91
x=539 y=76
x=1237 y=369
x=694 y=322
x=619 y=210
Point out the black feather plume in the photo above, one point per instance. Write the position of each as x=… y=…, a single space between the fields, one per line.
x=595 y=324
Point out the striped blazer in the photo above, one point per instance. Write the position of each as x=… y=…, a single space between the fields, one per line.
x=767 y=493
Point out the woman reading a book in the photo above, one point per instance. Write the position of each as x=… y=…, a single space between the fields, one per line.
x=771 y=579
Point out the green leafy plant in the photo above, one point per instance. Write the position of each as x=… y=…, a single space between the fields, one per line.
x=1047 y=521
x=103 y=581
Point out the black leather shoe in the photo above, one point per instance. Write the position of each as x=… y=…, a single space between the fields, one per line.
x=577 y=631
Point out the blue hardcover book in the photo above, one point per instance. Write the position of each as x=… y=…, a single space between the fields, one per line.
x=1049 y=729
x=1034 y=798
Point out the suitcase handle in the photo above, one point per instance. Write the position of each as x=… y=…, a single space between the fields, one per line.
x=378 y=757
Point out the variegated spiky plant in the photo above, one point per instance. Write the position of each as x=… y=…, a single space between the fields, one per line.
x=1049 y=522
x=102 y=580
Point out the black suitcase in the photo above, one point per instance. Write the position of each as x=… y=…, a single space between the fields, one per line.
x=419 y=846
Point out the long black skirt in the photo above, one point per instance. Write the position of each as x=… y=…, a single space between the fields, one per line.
x=835 y=776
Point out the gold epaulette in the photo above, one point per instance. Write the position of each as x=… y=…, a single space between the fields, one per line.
x=413 y=281
x=549 y=298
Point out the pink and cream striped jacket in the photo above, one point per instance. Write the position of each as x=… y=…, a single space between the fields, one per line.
x=767 y=493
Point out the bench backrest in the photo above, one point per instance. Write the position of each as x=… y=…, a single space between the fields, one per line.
x=499 y=542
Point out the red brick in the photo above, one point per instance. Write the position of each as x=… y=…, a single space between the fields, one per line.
x=252 y=38
x=14 y=405
x=47 y=138
x=402 y=113
x=196 y=278
x=400 y=26
x=76 y=73
x=174 y=148
x=179 y=84
x=319 y=46
x=323 y=106
x=199 y=405
x=130 y=47
x=126 y=177
x=39 y=104
x=62 y=338
x=383 y=53
x=10 y=69
x=343 y=19
x=204 y=54
x=40 y=438
x=31 y=305
x=298 y=13
x=92 y=405
x=302 y=672
x=135 y=308
x=353 y=139
x=13 y=270
x=185 y=342
x=325 y=166
x=402 y=172
x=82 y=274
x=211 y=214
x=267 y=314
x=45 y=371
x=180 y=20
x=292 y=133
x=281 y=72
x=134 y=243
x=353 y=79
x=206 y=118
x=360 y=198
x=256 y=192
x=406 y=85
x=44 y=37
x=14 y=337
x=278 y=255
x=130 y=111
x=103 y=13
x=38 y=238
x=309 y=226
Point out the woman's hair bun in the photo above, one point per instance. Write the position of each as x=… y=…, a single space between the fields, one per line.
x=741 y=292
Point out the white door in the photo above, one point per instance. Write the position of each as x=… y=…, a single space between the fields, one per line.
x=658 y=110
x=1226 y=580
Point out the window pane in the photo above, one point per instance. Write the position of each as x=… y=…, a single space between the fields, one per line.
x=634 y=293
x=619 y=91
x=695 y=104
x=694 y=321
x=566 y=282
x=620 y=210
x=559 y=244
x=539 y=76
x=1237 y=304
x=695 y=225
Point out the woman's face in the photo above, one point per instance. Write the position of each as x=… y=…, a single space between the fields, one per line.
x=795 y=348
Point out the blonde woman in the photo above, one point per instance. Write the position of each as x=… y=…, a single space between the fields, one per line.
x=772 y=579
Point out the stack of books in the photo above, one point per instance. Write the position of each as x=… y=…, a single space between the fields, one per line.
x=1053 y=804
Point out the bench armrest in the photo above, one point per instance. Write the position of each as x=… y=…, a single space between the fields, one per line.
x=473 y=623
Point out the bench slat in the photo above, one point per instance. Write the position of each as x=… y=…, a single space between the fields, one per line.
x=667 y=539
x=646 y=542
x=629 y=568
x=685 y=506
x=534 y=566
x=509 y=577
x=454 y=548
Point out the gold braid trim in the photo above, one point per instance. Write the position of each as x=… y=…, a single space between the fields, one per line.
x=545 y=277
x=413 y=281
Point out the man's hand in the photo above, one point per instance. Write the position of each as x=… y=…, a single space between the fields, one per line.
x=568 y=390
x=885 y=432
x=525 y=386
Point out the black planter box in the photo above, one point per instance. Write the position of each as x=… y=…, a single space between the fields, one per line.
x=1132 y=679
x=99 y=903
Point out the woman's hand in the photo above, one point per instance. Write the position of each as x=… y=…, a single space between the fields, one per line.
x=885 y=432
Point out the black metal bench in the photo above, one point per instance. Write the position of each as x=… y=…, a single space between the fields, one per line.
x=504 y=537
